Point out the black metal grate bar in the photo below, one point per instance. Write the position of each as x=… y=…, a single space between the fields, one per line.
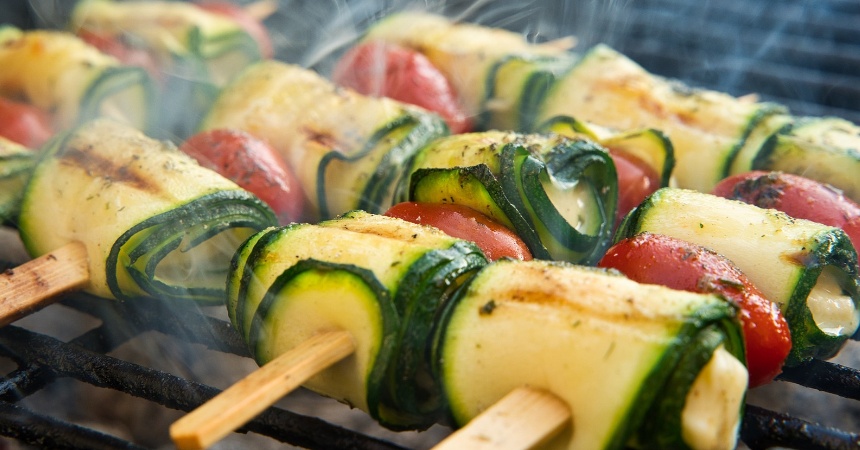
x=763 y=429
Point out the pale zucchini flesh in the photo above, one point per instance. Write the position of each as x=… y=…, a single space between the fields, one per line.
x=605 y=345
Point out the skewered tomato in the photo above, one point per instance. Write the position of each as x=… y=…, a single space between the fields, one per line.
x=387 y=70
x=659 y=259
x=797 y=196
x=252 y=164
x=636 y=181
x=115 y=46
x=493 y=238
x=24 y=123
x=250 y=24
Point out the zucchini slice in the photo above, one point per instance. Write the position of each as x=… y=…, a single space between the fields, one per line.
x=558 y=194
x=60 y=73
x=16 y=164
x=364 y=273
x=707 y=128
x=631 y=361
x=650 y=146
x=824 y=149
x=808 y=269
x=197 y=51
x=348 y=150
x=154 y=222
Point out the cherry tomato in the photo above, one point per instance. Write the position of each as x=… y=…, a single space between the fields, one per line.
x=797 y=196
x=24 y=123
x=252 y=164
x=636 y=181
x=659 y=259
x=493 y=238
x=251 y=25
x=116 y=46
x=387 y=70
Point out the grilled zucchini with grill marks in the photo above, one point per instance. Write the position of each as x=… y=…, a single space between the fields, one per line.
x=348 y=150
x=154 y=222
x=558 y=194
x=640 y=366
x=380 y=278
x=808 y=269
x=58 y=72
x=16 y=164
x=197 y=51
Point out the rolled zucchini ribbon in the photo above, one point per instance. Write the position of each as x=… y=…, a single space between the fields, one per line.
x=58 y=72
x=154 y=222
x=808 y=269
x=634 y=363
x=197 y=51
x=380 y=278
x=558 y=194
x=16 y=163
x=348 y=150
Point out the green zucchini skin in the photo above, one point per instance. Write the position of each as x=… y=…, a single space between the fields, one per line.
x=155 y=223
x=58 y=72
x=825 y=149
x=794 y=262
x=563 y=309
x=348 y=150
x=533 y=184
x=16 y=164
x=198 y=52
x=408 y=272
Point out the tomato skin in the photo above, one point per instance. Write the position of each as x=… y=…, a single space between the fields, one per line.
x=493 y=238
x=24 y=123
x=797 y=196
x=251 y=25
x=115 y=46
x=252 y=164
x=659 y=259
x=636 y=181
x=387 y=70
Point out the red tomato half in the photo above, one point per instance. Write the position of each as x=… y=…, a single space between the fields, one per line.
x=493 y=238
x=251 y=25
x=24 y=123
x=636 y=181
x=386 y=70
x=797 y=196
x=252 y=164
x=658 y=259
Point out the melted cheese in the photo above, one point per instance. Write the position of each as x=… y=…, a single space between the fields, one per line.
x=834 y=312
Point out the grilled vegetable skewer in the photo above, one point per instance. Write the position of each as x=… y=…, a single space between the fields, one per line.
x=295 y=283
x=513 y=84
x=153 y=222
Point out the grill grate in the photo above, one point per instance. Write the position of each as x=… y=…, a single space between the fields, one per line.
x=804 y=54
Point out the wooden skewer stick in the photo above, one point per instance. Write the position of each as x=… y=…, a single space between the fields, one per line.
x=240 y=403
x=523 y=419
x=39 y=282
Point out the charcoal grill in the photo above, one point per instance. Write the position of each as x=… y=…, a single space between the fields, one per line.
x=804 y=54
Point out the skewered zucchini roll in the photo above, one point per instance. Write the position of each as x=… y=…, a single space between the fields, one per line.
x=348 y=150
x=639 y=365
x=378 y=277
x=154 y=222
x=808 y=269
x=512 y=83
x=196 y=51
x=558 y=194
x=16 y=163
x=58 y=72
